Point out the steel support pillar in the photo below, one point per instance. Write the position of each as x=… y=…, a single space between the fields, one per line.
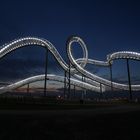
x=28 y=86
x=46 y=71
x=74 y=90
x=100 y=88
x=129 y=79
x=101 y=91
x=65 y=84
x=110 y=67
x=69 y=83
x=83 y=89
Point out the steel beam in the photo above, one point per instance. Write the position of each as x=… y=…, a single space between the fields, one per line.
x=129 y=79
x=46 y=71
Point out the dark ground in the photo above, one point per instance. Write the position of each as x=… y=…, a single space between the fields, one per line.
x=103 y=123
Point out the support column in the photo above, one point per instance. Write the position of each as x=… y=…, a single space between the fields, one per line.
x=65 y=74
x=83 y=89
x=100 y=88
x=101 y=91
x=46 y=71
x=74 y=90
x=110 y=67
x=69 y=86
x=129 y=79
x=28 y=86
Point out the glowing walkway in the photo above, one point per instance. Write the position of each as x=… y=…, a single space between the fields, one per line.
x=92 y=81
x=49 y=77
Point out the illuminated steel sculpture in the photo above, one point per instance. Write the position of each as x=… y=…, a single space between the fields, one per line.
x=49 y=77
x=91 y=82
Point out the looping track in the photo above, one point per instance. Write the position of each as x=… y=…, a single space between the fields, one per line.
x=92 y=81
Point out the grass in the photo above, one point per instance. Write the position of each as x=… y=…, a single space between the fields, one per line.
x=70 y=125
x=28 y=103
x=21 y=119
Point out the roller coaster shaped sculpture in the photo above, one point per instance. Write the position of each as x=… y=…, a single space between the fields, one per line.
x=91 y=82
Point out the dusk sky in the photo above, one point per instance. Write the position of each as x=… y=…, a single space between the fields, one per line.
x=105 y=26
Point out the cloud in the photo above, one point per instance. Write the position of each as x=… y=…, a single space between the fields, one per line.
x=124 y=79
x=12 y=69
x=15 y=69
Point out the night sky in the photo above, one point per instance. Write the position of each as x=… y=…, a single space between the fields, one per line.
x=105 y=26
